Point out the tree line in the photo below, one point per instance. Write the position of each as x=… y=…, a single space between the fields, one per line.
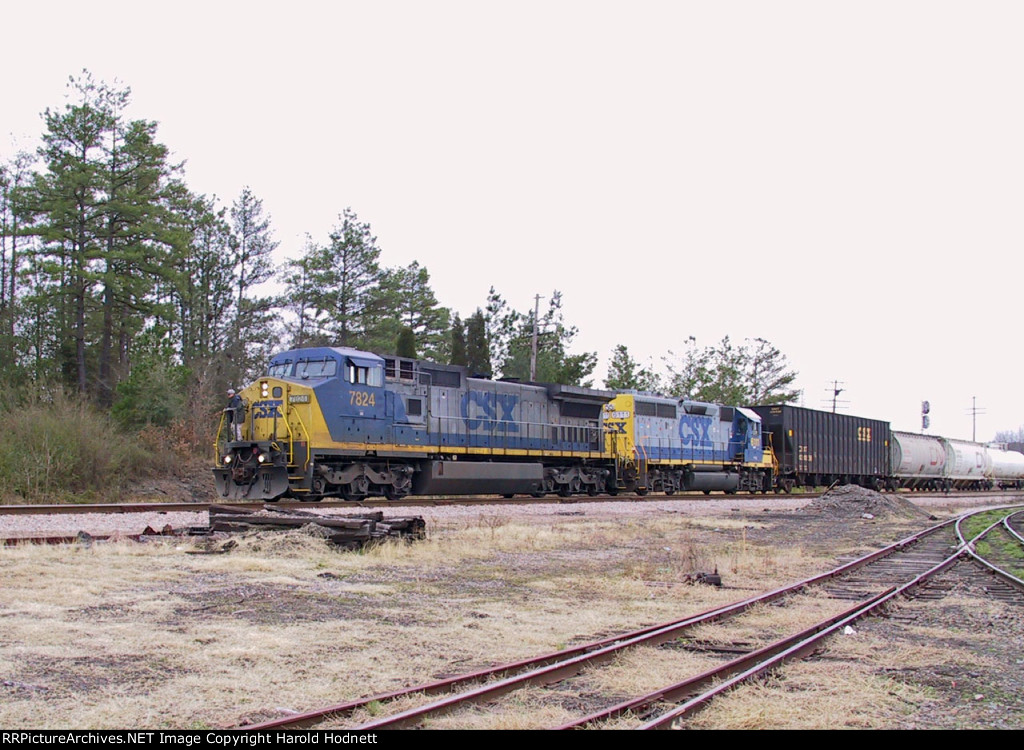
x=122 y=285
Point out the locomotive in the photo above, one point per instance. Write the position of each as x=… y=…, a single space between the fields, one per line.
x=340 y=422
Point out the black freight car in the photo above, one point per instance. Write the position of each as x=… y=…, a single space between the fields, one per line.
x=817 y=448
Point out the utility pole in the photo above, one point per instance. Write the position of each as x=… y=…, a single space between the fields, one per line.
x=974 y=411
x=836 y=390
x=533 y=350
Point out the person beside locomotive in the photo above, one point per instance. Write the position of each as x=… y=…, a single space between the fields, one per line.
x=234 y=414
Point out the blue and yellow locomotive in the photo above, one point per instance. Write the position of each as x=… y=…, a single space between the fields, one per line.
x=338 y=422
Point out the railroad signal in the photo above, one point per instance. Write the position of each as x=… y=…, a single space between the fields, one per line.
x=925 y=421
x=925 y=407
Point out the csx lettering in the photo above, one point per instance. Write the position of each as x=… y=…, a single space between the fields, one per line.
x=487 y=408
x=361 y=398
x=695 y=430
x=266 y=409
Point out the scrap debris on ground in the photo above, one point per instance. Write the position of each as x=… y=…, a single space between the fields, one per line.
x=348 y=532
x=851 y=501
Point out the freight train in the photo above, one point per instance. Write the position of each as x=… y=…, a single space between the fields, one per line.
x=817 y=448
x=329 y=422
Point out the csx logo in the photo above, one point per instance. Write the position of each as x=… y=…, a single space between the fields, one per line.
x=695 y=430
x=267 y=409
x=479 y=407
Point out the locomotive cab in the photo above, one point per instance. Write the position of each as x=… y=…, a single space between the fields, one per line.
x=285 y=418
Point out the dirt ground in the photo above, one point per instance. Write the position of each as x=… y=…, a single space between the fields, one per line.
x=175 y=635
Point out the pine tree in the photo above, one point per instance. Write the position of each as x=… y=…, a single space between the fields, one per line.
x=251 y=246
x=102 y=213
x=501 y=324
x=403 y=299
x=204 y=291
x=15 y=178
x=625 y=374
x=406 y=344
x=307 y=297
x=478 y=353
x=554 y=363
x=458 y=342
x=69 y=200
x=349 y=269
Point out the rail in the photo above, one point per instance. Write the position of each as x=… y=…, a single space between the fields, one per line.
x=555 y=667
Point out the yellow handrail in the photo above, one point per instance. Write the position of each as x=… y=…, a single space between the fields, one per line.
x=216 y=441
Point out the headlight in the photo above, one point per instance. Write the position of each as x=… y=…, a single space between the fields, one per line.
x=262 y=458
x=227 y=459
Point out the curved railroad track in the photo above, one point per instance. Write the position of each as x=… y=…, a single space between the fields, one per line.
x=920 y=565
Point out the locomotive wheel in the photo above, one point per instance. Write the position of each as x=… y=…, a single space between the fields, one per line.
x=592 y=490
x=641 y=491
x=564 y=490
x=356 y=490
x=538 y=494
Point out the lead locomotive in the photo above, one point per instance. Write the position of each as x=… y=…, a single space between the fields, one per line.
x=338 y=422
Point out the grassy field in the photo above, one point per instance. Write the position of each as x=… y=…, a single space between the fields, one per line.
x=169 y=635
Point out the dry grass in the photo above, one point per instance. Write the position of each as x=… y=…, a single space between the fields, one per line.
x=148 y=635
x=127 y=634
x=813 y=695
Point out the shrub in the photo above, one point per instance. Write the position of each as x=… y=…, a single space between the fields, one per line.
x=62 y=446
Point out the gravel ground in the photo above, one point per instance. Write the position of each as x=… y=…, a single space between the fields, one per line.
x=69 y=524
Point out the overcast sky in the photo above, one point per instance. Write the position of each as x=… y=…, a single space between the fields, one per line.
x=842 y=179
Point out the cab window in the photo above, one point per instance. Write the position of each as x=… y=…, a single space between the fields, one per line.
x=280 y=370
x=371 y=376
x=319 y=368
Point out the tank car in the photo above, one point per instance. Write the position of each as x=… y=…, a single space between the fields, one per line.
x=968 y=465
x=919 y=461
x=662 y=444
x=339 y=422
x=1007 y=467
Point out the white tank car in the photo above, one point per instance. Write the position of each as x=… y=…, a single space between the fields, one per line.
x=968 y=465
x=918 y=461
x=1007 y=467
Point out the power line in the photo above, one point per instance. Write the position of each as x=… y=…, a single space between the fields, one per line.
x=974 y=411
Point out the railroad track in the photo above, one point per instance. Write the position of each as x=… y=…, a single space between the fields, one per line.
x=915 y=566
x=427 y=502
x=998 y=551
